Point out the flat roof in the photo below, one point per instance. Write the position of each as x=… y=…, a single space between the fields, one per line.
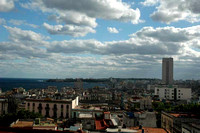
x=182 y=115
x=124 y=130
x=87 y=107
x=150 y=130
x=49 y=100
x=82 y=115
x=21 y=124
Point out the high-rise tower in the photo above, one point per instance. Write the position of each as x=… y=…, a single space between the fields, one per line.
x=167 y=71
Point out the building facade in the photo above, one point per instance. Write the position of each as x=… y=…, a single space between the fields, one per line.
x=173 y=122
x=52 y=108
x=167 y=71
x=191 y=127
x=3 y=106
x=173 y=93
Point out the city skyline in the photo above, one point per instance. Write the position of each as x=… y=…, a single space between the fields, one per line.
x=98 y=39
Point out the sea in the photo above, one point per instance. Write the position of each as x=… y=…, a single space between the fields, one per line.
x=27 y=83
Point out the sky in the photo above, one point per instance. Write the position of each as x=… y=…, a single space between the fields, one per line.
x=99 y=38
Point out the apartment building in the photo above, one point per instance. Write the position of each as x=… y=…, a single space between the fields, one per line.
x=52 y=108
x=173 y=93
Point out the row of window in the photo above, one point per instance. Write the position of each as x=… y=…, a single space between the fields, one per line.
x=47 y=105
x=47 y=109
x=168 y=90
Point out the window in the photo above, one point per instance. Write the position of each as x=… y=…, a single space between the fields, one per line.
x=179 y=97
x=61 y=111
x=40 y=108
x=47 y=110
x=33 y=107
x=67 y=111
x=28 y=106
x=55 y=111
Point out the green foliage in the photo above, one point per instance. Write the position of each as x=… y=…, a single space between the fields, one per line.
x=160 y=106
x=7 y=119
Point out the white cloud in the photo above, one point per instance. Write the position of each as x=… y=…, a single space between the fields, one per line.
x=2 y=21
x=169 y=11
x=6 y=5
x=72 y=30
x=150 y=2
x=82 y=15
x=139 y=56
x=29 y=37
x=147 y=41
x=107 y=9
x=74 y=18
x=112 y=30
x=21 y=22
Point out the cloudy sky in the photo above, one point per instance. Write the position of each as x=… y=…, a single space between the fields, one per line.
x=99 y=38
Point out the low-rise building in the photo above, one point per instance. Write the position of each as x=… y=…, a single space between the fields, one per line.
x=172 y=122
x=3 y=106
x=146 y=103
x=52 y=108
x=191 y=127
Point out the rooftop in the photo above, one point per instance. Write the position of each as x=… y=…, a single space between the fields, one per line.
x=48 y=100
x=150 y=130
x=87 y=107
x=182 y=115
x=23 y=124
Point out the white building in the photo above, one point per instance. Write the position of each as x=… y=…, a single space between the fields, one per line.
x=173 y=93
x=52 y=108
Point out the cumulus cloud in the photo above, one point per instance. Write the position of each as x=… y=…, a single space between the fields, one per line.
x=139 y=56
x=82 y=15
x=112 y=30
x=23 y=44
x=72 y=30
x=28 y=36
x=74 y=18
x=150 y=2
x=2 y=21
x=21 y=22
x=169 y=11
x=6 y=5
x=147 y=41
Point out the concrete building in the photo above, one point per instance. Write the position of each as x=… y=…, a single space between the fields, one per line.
x=191 y=127
x=146 y=103
x=167 y=71
x=52 y=108
x=172 y=122
x=173 y=93
x=3 y=106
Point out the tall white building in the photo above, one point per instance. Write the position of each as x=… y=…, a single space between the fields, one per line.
x=173 y=93
x=167 y=71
